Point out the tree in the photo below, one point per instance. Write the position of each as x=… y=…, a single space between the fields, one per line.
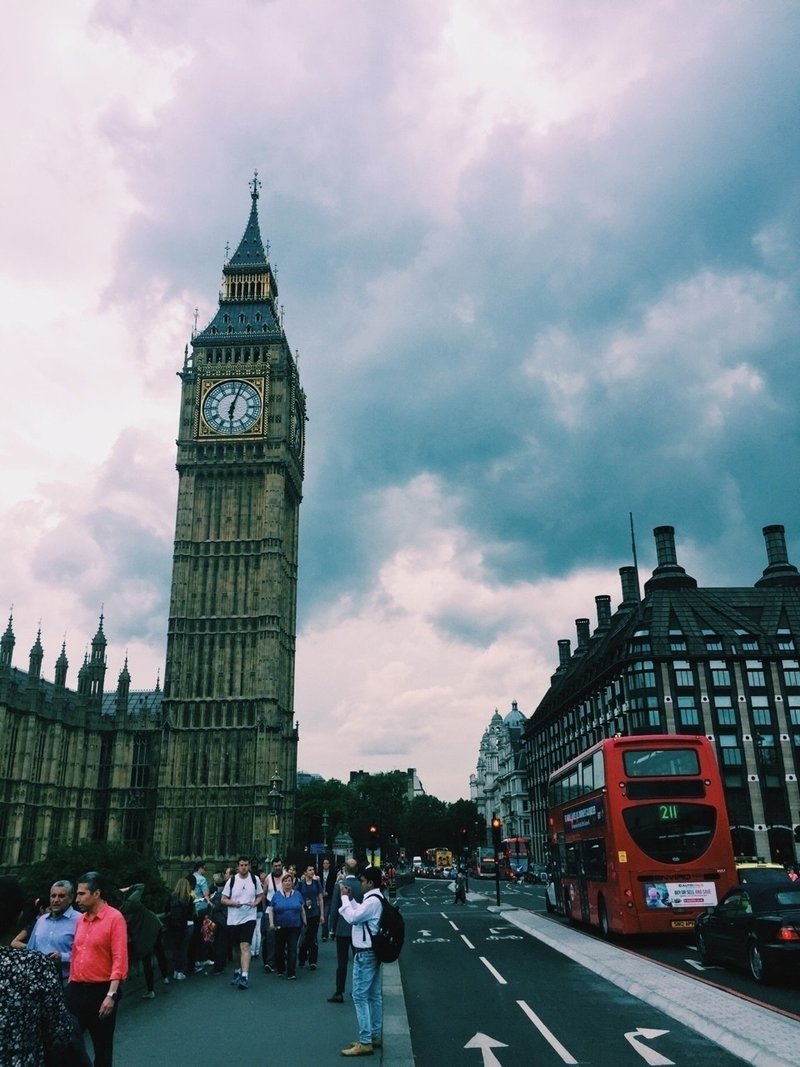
x=333 y=797
x=119 y=864
x=426 y=825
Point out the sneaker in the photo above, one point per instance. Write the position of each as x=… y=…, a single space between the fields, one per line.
x=357 y=1049
x=312 y=967
x=149 y=995
x=268 y=969
x=337 y=998
x=165 y=981
x=199 y=968
x=236 y=976
x=292 y=977
x=179 y=976
x=243 y=982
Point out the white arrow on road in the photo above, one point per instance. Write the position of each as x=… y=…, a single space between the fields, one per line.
x=486 y=1044
x=425 y=933
x=499 y=929
x=649 y=1055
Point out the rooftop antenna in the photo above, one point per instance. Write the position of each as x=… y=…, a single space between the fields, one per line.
x=633 y=549
x=194 y=331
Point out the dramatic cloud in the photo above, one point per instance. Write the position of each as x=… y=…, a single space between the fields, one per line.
x=540 y=262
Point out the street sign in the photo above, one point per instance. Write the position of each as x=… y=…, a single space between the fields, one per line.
x=316 y=850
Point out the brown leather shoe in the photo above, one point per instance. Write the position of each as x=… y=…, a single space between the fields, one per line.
x=377 y=1042
x=357 y=1049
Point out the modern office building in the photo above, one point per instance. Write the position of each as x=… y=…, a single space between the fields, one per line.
x=686 y=659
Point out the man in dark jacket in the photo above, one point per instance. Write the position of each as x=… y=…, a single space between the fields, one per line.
x=340 y=927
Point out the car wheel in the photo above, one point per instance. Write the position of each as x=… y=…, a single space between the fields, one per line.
x=602 y=919
x=702 y=949
x=758 y=967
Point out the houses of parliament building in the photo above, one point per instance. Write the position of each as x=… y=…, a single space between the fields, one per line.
x=137 y=767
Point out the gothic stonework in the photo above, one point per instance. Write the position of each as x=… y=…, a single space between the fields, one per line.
x=229 y=681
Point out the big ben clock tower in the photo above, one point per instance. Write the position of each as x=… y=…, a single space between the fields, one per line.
x=229 y=682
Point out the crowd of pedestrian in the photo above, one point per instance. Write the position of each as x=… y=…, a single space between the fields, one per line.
x=62 y=967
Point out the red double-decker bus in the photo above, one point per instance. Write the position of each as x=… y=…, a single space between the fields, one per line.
x=639 y=835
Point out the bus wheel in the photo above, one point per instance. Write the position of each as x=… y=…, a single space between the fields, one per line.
x=602 y=919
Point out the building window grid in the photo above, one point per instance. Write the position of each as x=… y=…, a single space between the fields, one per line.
x=684 y=676
x=754 y=671
x=791 y=672
x=785 y=641
x=720 y=673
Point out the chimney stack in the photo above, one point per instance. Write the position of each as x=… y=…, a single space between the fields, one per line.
x=779 y=571
x=668 y=574
x=629 y=580
x=603 y=603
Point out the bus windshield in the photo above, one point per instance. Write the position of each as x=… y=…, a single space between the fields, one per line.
x=671 y=833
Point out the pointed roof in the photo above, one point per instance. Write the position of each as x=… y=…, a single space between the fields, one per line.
x=250 y=252
x=247 y=311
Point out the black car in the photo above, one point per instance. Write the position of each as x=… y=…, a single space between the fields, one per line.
x=757 y=926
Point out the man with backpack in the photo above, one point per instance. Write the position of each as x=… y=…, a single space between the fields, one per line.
x=241 y=896
x=367 y=990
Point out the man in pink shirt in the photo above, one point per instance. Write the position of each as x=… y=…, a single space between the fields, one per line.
x=99 y=964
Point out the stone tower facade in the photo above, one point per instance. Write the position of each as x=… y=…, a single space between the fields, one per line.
x=228 y=709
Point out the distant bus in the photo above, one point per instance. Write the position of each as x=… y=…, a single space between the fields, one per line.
x=515 y=853
x=638 y=834
x=485 y=865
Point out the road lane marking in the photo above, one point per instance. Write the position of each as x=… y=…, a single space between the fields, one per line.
x=491 y=970
x=649 y=1055
x=548 y=1035
x=453 y=925
x=467 y=941
x=486 y=1044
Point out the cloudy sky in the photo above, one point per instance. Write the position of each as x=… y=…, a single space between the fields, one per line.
x=540 y=262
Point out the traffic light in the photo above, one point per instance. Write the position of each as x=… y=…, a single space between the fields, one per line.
x=797 y=833
x=497 y=826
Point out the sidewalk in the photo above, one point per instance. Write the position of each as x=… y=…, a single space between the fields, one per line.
x=204 y=1019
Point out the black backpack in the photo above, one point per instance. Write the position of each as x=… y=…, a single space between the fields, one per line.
x=387 y=941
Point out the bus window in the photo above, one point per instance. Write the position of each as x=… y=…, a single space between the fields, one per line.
x=571 y=864
x=587 y=776
x=599 y=770
x=661 y=762
x=671 y=833
x=594 y=859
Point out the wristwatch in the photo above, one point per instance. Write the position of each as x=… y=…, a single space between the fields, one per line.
x=112 y=993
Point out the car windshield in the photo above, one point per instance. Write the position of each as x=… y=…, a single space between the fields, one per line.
x=789 y=898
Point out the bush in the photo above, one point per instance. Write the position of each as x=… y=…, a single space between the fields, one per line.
x=120 y=865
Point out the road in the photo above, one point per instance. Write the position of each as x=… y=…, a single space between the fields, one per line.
x=480 y=988
x=479 y=992
x=676 y=952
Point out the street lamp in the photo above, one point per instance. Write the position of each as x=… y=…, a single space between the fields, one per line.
x=373 y=830
x=325 y=825
x=275 y=803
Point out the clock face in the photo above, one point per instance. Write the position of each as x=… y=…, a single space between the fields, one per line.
x=297 y=430
x=232 y=407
